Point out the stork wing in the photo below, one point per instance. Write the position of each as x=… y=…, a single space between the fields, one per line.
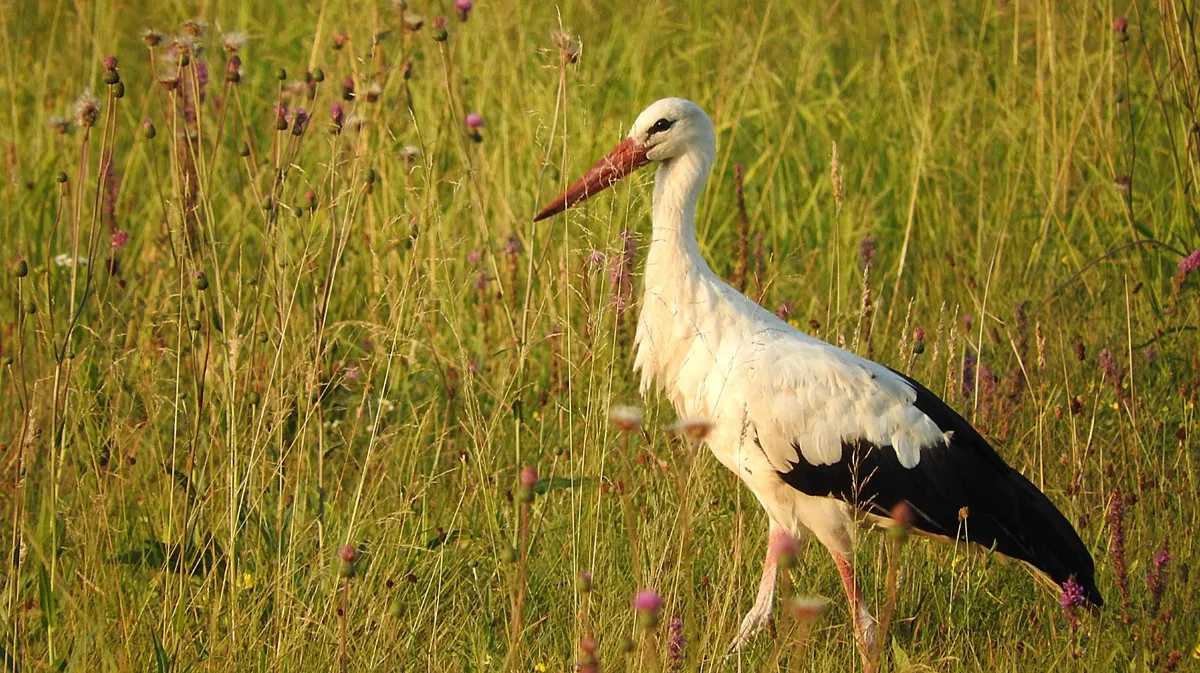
x=836 y=425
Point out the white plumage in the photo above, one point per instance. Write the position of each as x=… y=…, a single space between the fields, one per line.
x=791 y=415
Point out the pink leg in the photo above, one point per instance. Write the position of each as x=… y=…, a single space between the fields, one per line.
x=864 y=624
x=779 y=541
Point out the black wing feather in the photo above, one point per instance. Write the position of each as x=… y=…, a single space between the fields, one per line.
x=1003 y=509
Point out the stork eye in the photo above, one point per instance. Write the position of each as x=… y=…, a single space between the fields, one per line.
x=659 y=126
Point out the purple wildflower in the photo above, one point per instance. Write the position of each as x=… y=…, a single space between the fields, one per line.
x=1116 y=549
x=968 y=374
x=1071 y=599
x=866 y=251
x=119 y=239
x=1150 y=354
x=595 y=259
x=1156 y=578
x=785 y=310
x=513 y=245
x=474 y=121
x=528 y=476
x=647 y=600
x=463 y=7
x=1108 y=364
x=482 y=281
x=676 y=642
x=1191 y=263
x=474 y=257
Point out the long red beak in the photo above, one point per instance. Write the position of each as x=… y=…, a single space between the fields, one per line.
x=621 y=161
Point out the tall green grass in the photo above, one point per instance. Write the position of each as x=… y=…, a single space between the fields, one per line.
x=195 y=424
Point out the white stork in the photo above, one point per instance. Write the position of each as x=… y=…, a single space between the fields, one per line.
x=821 y=436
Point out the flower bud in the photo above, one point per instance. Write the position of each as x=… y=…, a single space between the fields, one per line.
x=21 y=268
x=201 y=281
x=148 y=130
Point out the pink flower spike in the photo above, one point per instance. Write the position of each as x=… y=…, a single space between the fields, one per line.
x=647 y=600
x=119 y=239
x=1191 y=263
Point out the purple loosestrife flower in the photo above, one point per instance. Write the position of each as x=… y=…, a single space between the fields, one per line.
x=968 y=374
x=1156 y=577
x=1190 y=264
x=1071 y=599
x=676 y=643
x=1116 y=549
x=866 y=251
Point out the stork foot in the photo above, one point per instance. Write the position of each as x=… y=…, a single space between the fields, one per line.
x=752 y=623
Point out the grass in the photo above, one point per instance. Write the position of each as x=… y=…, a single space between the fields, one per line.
x=195 y=423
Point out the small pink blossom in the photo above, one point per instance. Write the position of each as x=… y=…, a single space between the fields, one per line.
x=463 y=7
x=474 y=121
x=1191 y=263
x=528 y=476
x=119 y=239
x=647 y=600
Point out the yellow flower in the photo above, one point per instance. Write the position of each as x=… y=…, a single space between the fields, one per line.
x=540 y=667
x=247 y=581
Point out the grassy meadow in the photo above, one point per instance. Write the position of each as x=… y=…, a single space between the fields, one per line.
x=250 y=327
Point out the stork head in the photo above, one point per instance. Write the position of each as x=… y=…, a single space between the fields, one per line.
x=667 y=129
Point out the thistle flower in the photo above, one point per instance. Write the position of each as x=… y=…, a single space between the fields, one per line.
x=233 y=69
x=648 y=605
x=807 y=609
x=474 y=121
x=474 y=257
x=627 y=419
x=110 y=63
x=528 y=476
x=337 y=114
x=594 y=260
x=348 y=88
x=463 y=8
x=340 y=40
x=195 y=27
x=695 y=429
x=413 y=22
x=439 y=29
x=152 y=37
x=783 y=548
x=513 y=245
x=299 y=121
x=87 y=109
x=568 y=46
x=347 y=560
x=583 y=582
x=234 y=42
x=61 y=125
x=918 y=341
x=1121 y=28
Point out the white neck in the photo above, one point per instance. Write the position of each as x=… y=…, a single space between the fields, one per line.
x=674 y=254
